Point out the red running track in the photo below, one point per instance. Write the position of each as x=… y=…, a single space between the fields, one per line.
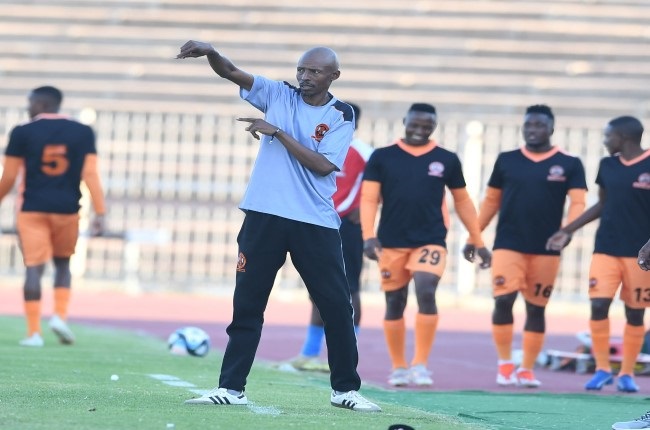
x=463 y=357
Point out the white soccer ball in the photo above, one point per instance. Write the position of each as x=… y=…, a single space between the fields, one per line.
x=189 y=341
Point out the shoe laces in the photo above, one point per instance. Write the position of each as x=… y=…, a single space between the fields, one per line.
x=525 y=374
x=645 y=417
x=420 y=370
x=356 y=397
x=506 y=369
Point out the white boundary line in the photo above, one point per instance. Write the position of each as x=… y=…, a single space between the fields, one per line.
x=175 y=381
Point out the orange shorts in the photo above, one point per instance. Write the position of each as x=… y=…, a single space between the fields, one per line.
x=608 y=273
x=397 y=265
x=45 y=235
x=532 y=274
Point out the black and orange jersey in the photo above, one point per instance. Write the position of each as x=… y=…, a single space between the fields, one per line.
x=534 y=190
x=53 y=149
x=412 y=194
x=625 y=219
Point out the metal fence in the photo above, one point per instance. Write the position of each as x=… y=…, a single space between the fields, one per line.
x=173 y=182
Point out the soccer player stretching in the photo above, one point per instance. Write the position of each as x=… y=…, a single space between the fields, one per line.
x=624 y=210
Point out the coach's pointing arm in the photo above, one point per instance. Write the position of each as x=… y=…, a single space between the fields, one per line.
x=221 y=65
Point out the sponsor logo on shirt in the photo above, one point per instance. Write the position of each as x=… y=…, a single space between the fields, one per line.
x=643 y=182
x=556 y=174
x=241 y=262
x=319 y=132
x=436 y=169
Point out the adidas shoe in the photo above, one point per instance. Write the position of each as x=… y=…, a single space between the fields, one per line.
x=526 y=378
x=506 y=375
x=642 y=422
x=307 y=363
x=420 y=375
x=599 y=380
x=353 y=400
x=61 y=329
x=626 y=384
x=34 y=340
x=399 y=377
x=219 y=396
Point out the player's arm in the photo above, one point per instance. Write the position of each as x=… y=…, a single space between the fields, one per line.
x=468 y=216
x=562 y=237
x=220 y=64
x=489 y=206
x=369 y=204
x=10 y=172
x=90 y=175
x=577 y=198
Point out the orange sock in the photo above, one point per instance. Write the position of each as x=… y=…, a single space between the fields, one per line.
x=33 y=315
x=600 y=344
x=532 y=343
x=502 y=336
x=395 y=334
x=632 y=343
x=61 y=300
x=425 y=334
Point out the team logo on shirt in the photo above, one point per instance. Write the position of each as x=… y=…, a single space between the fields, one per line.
x=643 y=182
x=499 y=281
x=556 y=173
x=592 y=282
x=385 y=274
x=319 y=132
x=241 y=262
x=436 y=169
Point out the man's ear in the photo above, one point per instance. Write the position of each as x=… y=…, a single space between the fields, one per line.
x=335 y=75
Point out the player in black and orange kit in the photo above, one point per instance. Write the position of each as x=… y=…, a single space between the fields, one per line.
x=623 y=207
x=643 y=422
x=409 y=179
x=528 y=187
x=54 y=154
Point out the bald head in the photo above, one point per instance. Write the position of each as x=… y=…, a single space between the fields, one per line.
x=317 y=69
x=323 y=55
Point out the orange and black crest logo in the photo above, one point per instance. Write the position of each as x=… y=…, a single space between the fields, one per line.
x=241 y=262
x=319 y=132
x=643 y=182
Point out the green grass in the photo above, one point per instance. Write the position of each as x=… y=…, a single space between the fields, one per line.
x=59 y=387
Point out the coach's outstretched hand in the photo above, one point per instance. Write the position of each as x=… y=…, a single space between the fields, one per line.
x=194 y=49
